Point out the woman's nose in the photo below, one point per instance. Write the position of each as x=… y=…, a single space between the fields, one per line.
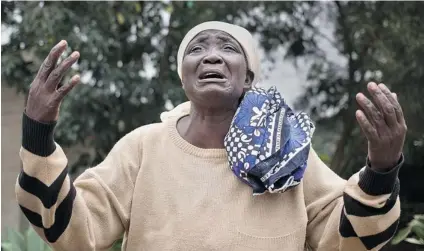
x=212 y=58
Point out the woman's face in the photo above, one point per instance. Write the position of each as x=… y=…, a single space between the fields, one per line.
x=214 y=70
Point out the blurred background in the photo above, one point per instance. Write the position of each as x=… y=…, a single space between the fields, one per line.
x=319 y=55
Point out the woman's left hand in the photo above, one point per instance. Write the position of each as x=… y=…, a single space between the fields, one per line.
x=384 y=126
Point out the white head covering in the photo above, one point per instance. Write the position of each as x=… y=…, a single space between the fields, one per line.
x=240 y=34
x=243 y=37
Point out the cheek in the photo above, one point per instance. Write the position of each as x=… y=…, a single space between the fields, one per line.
x=184 y=71
x=188 y=66
x=239 y=69
x=188 y=73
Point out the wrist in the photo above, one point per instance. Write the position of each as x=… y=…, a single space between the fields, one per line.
x=384 y=166
x=378 y=182
x=42 y=116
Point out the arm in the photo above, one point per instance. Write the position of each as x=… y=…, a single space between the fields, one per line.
x=89 y=214
x=360 y=214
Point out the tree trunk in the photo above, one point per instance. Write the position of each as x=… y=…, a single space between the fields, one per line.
x=164 y=67
x=337 y=161
x=348 y=119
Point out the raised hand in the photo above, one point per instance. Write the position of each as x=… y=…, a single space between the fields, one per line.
x=44 y=96
x=383 y=124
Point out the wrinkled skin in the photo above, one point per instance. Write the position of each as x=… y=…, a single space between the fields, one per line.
x=215 y=51
x=383 y=124
x=44 y=96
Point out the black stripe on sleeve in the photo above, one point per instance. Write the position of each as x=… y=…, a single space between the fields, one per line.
x=33 y=217
x=345 y=228
x=355 y=208
x=37 y=137
x=62 y=217
x=47 y=194
x=372 y=241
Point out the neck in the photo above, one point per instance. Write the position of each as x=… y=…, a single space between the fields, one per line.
x=206 y=128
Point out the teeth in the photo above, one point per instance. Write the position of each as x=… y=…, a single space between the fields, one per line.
x=207 y=75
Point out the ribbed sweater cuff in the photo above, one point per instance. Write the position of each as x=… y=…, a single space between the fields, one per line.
x=37 y=137
x=377 y=183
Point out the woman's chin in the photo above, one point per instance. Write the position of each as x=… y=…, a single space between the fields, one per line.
x=215 y=93
x=202 y=83
x=213 y=88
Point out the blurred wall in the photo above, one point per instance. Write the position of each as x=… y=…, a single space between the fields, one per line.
x=12 y=106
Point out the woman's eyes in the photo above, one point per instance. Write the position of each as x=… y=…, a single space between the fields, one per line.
x=226 y=47
x=195 y=49
x=230 y=48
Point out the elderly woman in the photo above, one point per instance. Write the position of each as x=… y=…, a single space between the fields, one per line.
x=233 y=169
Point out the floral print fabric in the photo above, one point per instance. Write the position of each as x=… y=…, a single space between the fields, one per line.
x=267 y=144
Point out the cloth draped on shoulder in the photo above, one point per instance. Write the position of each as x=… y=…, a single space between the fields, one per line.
x=267 y=144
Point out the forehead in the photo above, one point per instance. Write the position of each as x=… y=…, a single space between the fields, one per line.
x=208 y=34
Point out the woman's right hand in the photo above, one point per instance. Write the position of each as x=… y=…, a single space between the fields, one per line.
x=44 y=96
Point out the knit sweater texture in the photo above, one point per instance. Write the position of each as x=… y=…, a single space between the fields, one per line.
x=160 y=193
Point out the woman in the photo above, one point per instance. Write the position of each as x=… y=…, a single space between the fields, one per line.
x=186 y=183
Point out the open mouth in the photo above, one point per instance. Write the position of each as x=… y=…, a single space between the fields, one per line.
x=211 y=75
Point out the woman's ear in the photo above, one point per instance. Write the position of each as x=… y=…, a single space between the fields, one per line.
x=249 y=79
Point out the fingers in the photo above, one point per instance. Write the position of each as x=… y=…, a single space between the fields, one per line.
x=384 y=103
x=65 y=89
x=367 y=128
x=374 y=116
x=58 y=73
x=50 y=62
x=392 y=97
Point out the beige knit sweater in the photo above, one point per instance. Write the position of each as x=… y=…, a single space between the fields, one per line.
x=162 y=193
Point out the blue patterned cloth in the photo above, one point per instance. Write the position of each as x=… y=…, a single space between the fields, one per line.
x=267 y=144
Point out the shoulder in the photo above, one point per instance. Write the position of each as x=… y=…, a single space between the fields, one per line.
x=141 y=132
x=131 y=145
x=317 y=172
x=145 y=133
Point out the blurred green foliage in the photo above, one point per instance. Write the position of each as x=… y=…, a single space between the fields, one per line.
x=413 y=232
x=29 y=240
x=25 y=241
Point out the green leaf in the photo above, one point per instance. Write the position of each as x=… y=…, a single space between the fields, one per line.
x=419 y=230
x=137 y=7
x=325 y=158
x=34 y=241
x=419 y=217
x=416 y=222
x=415 y=241
x=7 y=246
x=120 y=18
x=16 y=239
x=401 y=235
x=169 y=8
